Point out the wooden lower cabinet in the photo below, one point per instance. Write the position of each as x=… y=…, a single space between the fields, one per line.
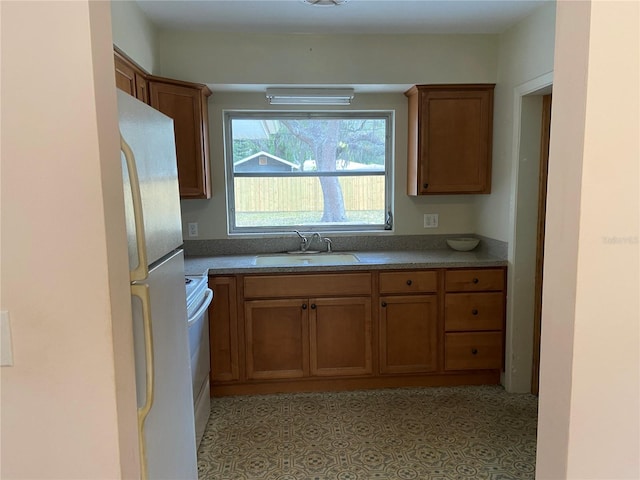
x=307 y=337
x=223 y=330
x=340 y=331
x=340 y=336
x=276 y=339
x=474 y=317
x=470 y=351
x=408 y=334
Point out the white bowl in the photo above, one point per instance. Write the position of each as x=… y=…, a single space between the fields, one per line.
x=463 y=244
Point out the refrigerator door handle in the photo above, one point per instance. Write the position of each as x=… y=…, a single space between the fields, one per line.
x=141 y=272
x=142 y=292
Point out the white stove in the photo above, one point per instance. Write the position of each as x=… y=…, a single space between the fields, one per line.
x=199 y=297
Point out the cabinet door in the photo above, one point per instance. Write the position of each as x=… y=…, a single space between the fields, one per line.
x=277 y=338
x=187 y=106
x=130 y=79
x=125 y=76
x=450 y=139
x=223 y=330
x=340 y=336
x=142 y=88
x=408 y=334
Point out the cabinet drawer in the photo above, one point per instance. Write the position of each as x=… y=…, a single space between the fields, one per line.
x=471 y=351
x=473 y=311
x=474 y=280
x=286 y=286
x=408 y=282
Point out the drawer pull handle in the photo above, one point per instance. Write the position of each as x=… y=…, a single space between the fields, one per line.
x=474 y=311
x=409 y=282
x=474 y=351
x=384 y=304
x=313 y=306
x=304 y=306
x=475 y=280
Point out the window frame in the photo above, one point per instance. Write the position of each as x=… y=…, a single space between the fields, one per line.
x=389 y=118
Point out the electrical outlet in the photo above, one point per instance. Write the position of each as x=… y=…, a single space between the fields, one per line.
x=430 y=220
x=193 y=229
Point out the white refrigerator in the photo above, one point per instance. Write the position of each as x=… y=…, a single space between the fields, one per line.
x=163 y=378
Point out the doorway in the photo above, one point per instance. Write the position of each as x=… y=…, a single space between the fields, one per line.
x=542 y=210
x=523 y=303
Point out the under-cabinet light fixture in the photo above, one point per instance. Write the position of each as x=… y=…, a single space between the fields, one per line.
x=310 y=96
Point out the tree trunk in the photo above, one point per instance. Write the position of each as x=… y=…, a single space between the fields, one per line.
x=333 y=201
x=326 y=152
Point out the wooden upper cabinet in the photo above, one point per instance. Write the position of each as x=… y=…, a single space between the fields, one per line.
x=130 y=78
x=450 y=139
x=186 y=104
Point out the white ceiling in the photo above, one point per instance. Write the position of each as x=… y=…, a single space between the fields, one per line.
x=353 y=17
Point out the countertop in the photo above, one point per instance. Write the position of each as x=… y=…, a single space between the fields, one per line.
x=374 y=260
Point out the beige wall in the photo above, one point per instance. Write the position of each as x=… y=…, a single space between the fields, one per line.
x=241 y=59
x=134 y=34
x=455 y=211
x=525 y=53
x=589 y=393
x=525 y=64
x=385 y=62
x=68 y=403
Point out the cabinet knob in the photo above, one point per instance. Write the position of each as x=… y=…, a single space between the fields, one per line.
x=313 y=306
x=474 y=311
x=304 y=306
x=475 y=280
x=409 y=282
x=384 y=304
x=425 y=185
x=474 y=351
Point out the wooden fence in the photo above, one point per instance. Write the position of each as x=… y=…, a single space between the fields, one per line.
x=304 y=194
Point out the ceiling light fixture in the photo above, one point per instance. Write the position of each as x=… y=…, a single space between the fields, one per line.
x=325 y=3
x=310 y=96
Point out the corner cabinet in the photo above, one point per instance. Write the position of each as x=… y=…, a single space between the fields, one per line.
x=186 y=103
x=450 y=139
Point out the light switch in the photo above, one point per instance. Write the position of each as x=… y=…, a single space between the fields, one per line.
x=430 y=220
x=6 y=350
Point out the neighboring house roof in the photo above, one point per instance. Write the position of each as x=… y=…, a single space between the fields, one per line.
x=268 y=155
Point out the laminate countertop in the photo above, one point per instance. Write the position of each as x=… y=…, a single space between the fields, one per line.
x=374 y=260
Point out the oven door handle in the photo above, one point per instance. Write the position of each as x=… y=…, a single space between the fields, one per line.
x=208 y=296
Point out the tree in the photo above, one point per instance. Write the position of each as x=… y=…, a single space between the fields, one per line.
x=322 y=137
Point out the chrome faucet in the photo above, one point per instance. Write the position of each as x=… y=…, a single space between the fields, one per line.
x=305 y=242
x=328 y=242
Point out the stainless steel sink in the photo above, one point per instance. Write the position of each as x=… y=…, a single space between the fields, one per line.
x=306 y=259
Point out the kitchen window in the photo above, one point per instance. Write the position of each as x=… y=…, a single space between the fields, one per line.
x=308 y=171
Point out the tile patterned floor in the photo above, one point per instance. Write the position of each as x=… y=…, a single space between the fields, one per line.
x=430 y=433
